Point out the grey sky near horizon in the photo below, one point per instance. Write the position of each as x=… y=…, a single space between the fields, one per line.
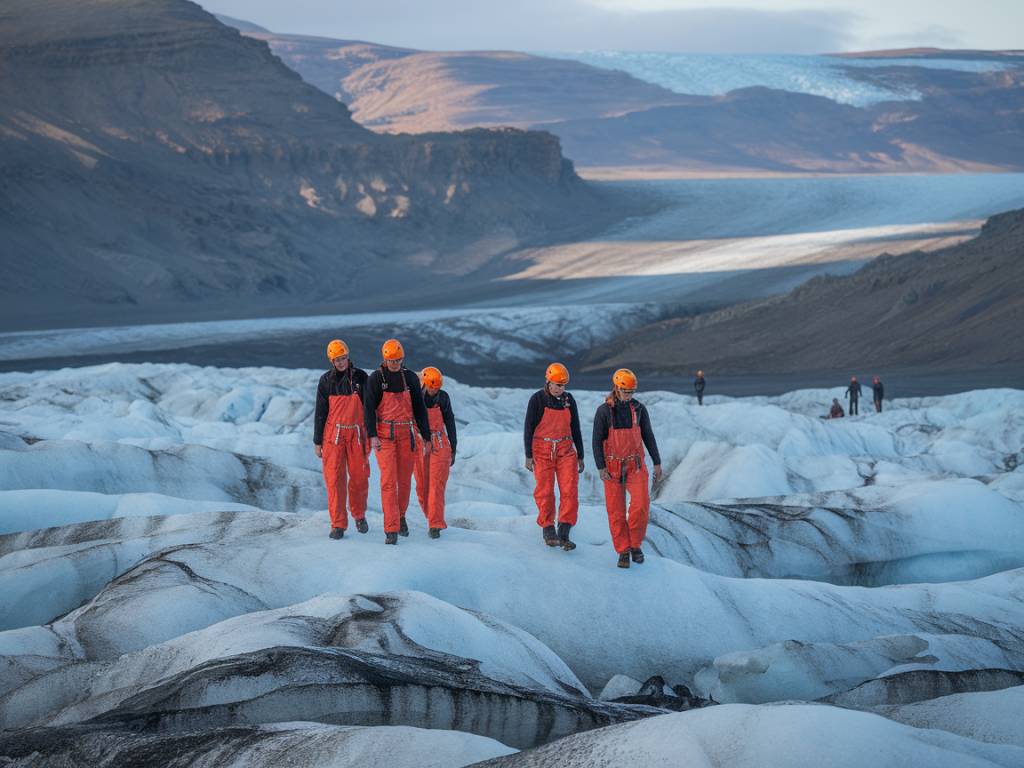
x=773 y=26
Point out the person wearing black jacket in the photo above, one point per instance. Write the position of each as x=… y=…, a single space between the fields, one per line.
x=698 y=385
x=431 y=470
x=554 y=452
x=345 y=451
x=853 y=392
x=878 y=393
x=622 y=427
x=398 y=427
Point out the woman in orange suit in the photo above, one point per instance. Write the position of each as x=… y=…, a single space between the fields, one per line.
x=622 y=427
x=554 y=453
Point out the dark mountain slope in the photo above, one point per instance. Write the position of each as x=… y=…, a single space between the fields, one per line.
x=152 y=159
x=956 y=309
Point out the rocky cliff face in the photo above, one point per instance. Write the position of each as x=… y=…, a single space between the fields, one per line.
x=152 y=156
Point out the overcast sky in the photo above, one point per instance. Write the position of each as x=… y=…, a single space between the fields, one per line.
x=767 y=26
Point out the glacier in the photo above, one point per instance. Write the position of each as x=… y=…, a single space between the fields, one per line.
x=168 y=584
x=712 y=74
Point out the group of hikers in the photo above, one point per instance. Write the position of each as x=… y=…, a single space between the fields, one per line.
x=408 y=423
x=853 y=393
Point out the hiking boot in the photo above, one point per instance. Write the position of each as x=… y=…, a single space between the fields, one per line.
x=550 y=537
x=624 y=560
x=563 y=537
x=390 y=538
x=434 y=533
x=403 y=527
x=337 y=533
x=361 y=525
x=637 y=555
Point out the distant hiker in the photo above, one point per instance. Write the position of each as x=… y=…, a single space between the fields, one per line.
x=622 y=427
x=836 y=411
x=339 y=413
x=554 y=451
x=698 y=385
x=853 y=392
x=878 y=392
x=431 y=469
x=394 y=413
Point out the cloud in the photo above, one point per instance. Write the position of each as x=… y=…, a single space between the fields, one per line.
x=536 y=25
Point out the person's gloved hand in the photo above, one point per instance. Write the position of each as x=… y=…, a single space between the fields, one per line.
x=375 y=443
x=657 y=474
x=606 y=475
x=319 y=451
x=580 y=466
x=529 y=464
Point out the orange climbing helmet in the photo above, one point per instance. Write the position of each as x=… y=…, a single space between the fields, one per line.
x=624 y=379
x=392 y=350
x=431 y=378
x=336 y=348
x=557 y=374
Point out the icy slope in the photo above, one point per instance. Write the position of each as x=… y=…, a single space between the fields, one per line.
x=165 y=563
x=739 y=736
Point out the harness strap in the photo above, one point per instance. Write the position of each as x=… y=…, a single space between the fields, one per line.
x=554 y=444
x=412 y=432
x=357 y=427
x=635 y=458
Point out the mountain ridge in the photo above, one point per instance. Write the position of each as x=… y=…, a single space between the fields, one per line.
x=153 y=158
x=612 y=123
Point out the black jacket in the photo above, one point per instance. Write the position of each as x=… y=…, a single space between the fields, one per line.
x=854 y=391
x=535 y=412
x=335 y=383
x=619 y=417
x=442 y=401
x=699 y=383
x=878 y=390
x=382 y=379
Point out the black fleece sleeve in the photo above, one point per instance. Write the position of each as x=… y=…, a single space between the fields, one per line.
x=574 y=424
x=323 y=404
x=533 y=413
x=371 y=399
x=601 y=426
x=419 y=408
x=648 y=435
x=445 y=404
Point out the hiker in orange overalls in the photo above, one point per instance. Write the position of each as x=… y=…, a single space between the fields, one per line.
x=554 y=451
x=396 y=419
x=345 y=451
x=622 y=427
x=432 y=468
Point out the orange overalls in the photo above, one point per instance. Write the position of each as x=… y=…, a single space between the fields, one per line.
x=399 y=444
x=554 y=456
x=432 y=471
x=345 y=451
x=624 y=460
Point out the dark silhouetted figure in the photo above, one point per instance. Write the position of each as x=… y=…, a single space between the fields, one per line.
x=698 y=385
x=836 y=411
x=853 y=392
x=878 y=390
